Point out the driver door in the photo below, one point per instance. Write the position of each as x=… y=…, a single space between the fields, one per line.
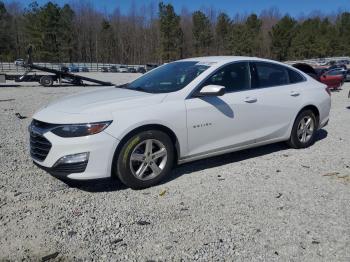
x=220 y=122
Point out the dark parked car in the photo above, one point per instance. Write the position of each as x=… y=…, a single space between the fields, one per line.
x=131 y=70
x=337 y=66
x=64 y=69
x=307 y=69
x=332 y=80
x=104 y=69
x=141 y=70
x=113 y=69
x=149 y=67
x=73 y=68
x=347 y=78
x=338 y=71
x=320 y=71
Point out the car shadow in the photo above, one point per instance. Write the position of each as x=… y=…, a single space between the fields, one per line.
x=111 y=184
x=84 y=85
x=220 y=105
x=348 y=107
x=95 y=185
x=4 y=86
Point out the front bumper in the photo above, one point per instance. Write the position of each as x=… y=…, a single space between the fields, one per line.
x=64 y=170
x=101 y=148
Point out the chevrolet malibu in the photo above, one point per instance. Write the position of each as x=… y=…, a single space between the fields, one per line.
x=180 y=112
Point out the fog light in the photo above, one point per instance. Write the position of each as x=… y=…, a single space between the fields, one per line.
x=72 y=159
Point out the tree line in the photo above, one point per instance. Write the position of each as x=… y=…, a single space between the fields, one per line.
x=156 y=33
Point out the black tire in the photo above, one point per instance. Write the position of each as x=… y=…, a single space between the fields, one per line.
x=46 y=81
x=124 y=168
x=295 y=140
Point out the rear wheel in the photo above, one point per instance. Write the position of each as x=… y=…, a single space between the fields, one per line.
x=46 y=81
x=304 y=130
x=145 y=159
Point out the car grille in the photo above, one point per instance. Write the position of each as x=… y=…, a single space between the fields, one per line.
x=39 y=146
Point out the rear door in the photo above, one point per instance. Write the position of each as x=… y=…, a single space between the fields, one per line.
x=279 y=92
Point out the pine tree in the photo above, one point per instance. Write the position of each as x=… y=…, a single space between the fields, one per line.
x=66 y=36
x=107 y=41
x=281 y=37
x=245 y=38
x=6 y=39
x=222 y=30
x=253 y=27
x=171 y=35
x=202 y=33
x=343 y=33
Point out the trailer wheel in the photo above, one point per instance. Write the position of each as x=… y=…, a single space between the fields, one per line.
x=46 y=81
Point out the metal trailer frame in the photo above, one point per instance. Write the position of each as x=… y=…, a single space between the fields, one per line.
x=55 y=75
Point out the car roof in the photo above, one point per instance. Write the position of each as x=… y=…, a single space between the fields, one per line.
x=219 y=60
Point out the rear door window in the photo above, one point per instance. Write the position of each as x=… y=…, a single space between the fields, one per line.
x=266 y=74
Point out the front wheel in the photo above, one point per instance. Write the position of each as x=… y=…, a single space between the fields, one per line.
x=145 y=159
x=304 y=130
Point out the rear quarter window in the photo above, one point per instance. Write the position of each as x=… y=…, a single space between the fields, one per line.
x=295 y=77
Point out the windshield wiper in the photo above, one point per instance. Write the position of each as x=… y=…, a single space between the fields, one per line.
x=138 y=88
x=122 y=86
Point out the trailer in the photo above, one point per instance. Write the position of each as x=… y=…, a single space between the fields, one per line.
x=48 y=80
x=52 y=75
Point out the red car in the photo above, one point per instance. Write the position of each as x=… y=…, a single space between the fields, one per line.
x=332 y=81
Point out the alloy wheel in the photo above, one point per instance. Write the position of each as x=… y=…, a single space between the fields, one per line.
x=148 y=159
x=305 y=129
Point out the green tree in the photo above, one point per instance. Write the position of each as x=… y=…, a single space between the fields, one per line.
x=107 y=41
x=281 y=36
x=171 y=35
x=238 y=40
x=253 y=27
x=50 y=30
x=313 y=39
x=202 y=33
x=66 y=37
x=222 y=30
x=343 y=34
x=6 y=38
x=245 y=38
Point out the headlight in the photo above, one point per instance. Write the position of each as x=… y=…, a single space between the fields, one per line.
x=76 y=130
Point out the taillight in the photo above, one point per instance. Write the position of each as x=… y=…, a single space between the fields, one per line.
x=328 y=90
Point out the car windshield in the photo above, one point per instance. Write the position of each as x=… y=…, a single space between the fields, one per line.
x=168 y=78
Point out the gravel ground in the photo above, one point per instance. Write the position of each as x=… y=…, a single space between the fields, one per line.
x=266 y=204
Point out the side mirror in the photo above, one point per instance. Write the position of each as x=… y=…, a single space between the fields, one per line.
x=211 y=90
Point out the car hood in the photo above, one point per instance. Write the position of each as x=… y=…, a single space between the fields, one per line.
x=95 y=106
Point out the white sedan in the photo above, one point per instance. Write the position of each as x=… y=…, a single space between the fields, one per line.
x=180 y=112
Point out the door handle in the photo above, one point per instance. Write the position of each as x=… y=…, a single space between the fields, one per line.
x=294 y=93
x=250 y=99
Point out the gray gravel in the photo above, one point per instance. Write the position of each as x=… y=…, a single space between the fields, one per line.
x=266 y=204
